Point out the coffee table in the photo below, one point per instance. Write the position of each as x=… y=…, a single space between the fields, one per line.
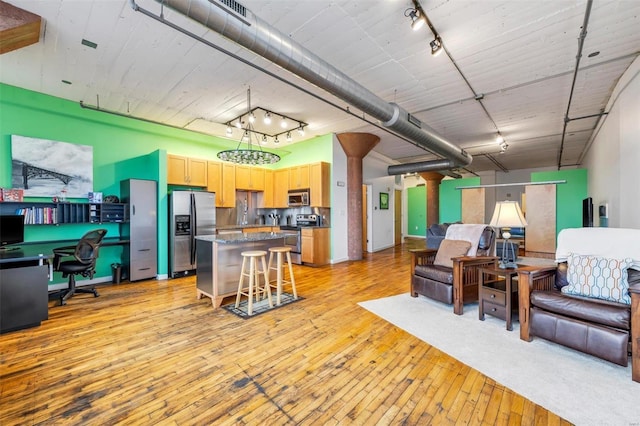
x=497 y=292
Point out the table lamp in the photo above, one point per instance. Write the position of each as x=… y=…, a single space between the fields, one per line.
x=507 y=214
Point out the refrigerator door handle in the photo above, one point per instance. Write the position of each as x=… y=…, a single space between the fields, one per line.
x=193 y=229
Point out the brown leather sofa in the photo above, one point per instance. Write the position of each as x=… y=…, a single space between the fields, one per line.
x=457 y=285
x=605 y=329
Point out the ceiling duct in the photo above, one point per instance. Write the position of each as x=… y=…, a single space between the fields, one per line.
x=423 y=166
x=254 y=34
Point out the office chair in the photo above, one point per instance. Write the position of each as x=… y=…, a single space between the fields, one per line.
x=85 y=254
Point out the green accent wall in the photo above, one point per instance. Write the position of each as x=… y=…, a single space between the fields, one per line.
x=451 y=198
x=569 y=195
x=417 y=211
x=123 y=148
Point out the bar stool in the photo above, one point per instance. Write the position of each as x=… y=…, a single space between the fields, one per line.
x=280 y=281
x=254 y=279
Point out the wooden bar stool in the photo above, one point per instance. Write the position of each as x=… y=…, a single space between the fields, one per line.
x=280 y=281
x=254 y=279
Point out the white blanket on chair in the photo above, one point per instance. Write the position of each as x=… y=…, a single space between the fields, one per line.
x=466 y=232
x=617 y=243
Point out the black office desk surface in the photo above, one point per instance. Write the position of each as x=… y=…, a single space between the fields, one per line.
x=26 y=252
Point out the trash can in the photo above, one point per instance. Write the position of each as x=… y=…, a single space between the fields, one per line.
x=116 y=273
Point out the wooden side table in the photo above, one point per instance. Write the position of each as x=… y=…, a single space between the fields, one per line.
x=497 y=294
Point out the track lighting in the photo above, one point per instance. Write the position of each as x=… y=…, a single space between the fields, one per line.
x=417 y=18
x=245 y=136
x=499 y=139
x=267 y=118
x=276 y=141
x=264 y=139
x=252 y=118
x=239 y=124
x=436 y=46
x=283 y=123
x=289 y=139
x=229 y=130
x=301 y=131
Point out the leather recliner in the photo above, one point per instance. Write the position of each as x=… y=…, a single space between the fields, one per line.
x=457 y=285
x=597 y=327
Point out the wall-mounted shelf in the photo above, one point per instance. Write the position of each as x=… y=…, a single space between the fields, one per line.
x=43 y=213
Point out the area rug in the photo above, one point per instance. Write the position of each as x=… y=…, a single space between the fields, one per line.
x=580 y=388
x=261 y=306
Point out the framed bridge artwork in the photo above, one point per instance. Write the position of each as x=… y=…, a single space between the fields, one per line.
x=47 y=168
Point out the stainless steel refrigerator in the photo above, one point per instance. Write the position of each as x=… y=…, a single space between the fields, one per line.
x=191 y=213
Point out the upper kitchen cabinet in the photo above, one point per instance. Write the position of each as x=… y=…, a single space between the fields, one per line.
x=320 y=185
x=186 y=171
x=299 y=177
x=222 y=180
x=250 y=178
x=281 y=188
x=268 y=194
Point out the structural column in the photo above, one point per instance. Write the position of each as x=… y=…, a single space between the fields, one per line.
x=433 y=196
x=356 y=146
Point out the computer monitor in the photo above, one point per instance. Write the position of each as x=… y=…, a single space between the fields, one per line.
x=11 y=230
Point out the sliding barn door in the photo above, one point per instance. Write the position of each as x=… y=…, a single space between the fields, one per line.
x=473 y=205
x=540 y=234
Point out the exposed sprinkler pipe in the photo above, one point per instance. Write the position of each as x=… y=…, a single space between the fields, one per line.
x=583 y=35
x=254 y=34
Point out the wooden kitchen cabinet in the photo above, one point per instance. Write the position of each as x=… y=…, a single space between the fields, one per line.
x=250 y=178
x=320 y=185
x=299 y=177
x=281 y=188
x=186 y=171
x=221 y=179
x=315 y=246
x=268 y=194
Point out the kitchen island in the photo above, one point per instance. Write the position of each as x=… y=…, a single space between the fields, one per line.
x=219 y=261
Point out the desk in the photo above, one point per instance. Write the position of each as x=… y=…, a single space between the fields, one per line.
x=24 y=294
x=24 y=282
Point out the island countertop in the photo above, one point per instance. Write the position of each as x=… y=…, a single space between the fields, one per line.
x=238 y=237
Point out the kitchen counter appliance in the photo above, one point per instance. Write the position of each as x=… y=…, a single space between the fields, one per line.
x=293 y=234
x=191 y=213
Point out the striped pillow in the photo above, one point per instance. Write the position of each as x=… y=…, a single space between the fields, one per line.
x=598 y=277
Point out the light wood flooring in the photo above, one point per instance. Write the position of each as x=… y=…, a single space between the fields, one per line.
x=151 y=353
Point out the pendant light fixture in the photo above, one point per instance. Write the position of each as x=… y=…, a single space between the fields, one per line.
x=248 y=155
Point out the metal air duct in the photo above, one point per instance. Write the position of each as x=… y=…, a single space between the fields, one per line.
x=233 y=21
x=424 y=166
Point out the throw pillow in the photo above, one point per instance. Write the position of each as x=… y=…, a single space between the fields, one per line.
x=449 y=249
x=598 y=277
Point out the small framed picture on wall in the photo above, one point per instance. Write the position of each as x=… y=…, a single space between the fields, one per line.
x=384 y=201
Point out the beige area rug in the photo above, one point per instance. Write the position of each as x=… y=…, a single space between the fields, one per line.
x=580 y=388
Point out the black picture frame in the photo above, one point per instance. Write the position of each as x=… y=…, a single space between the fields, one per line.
x=384 y=201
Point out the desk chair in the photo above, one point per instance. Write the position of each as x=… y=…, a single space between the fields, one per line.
x=85 y=254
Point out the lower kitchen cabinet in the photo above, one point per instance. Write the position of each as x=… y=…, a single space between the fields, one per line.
x=315 y=246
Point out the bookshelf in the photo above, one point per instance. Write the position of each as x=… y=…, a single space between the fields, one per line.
x=44 y=213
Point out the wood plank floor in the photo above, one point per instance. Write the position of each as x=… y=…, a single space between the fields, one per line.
x=151 y=353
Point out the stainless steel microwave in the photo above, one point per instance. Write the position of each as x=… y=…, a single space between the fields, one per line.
x=299 y=198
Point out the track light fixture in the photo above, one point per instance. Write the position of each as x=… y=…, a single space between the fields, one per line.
x=247 y=155
x=250 y=126
x=436 y=46
x=417 y=20
x=499 y=139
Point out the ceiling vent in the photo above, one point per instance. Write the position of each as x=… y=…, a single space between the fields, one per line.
x=234 y=6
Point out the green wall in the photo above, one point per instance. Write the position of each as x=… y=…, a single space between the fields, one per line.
x=123 y=148
x=569 y=195
x=417 y=211
x=451 y=198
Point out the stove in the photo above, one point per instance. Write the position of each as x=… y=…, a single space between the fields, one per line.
x=308 y=220
x=293 y=237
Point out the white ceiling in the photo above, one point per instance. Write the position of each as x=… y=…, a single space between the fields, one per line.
x=519 y=55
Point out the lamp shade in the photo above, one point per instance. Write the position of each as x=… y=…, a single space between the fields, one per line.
x=507 y=214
